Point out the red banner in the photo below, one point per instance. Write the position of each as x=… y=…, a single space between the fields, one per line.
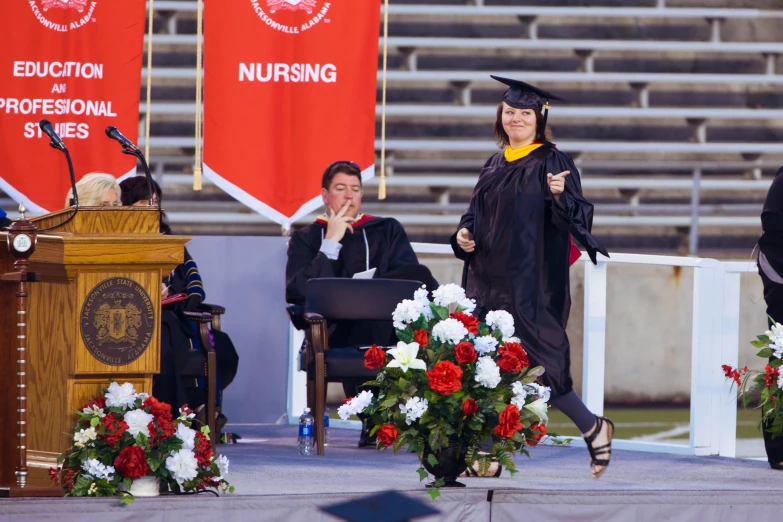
x=76 y=63
x=289 y=87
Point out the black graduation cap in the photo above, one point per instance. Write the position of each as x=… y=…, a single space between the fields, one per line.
x=521 y=95
x=387 y=506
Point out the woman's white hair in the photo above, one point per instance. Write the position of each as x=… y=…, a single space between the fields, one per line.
x=91 y=189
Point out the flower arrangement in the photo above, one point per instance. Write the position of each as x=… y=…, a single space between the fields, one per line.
x=769 y=382
x=127 y=436
x=453 y=381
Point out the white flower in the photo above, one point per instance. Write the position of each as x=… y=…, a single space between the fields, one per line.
x=487 y=372
x=187 y=436
x=95 y=411
x=120 y=396
x=356 y=405
x=485 y=344
x=468 y=304
x=143 y=396
x=520 y=394
x=184 y=415
x=408 y=311
x=83 y=437
x=448 y=294
x=450 y=331
x=405 y=357
x=543 y=392
x=137 y=421
x=95 y=469
x=414 y=409
x=502 y=320
x=421 y=296
x=539 y=408
x=222 y=464
x=182 y=465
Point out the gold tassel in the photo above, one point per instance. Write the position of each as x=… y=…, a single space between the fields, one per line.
x=382 y=184
x=149 y=83
x=199 y=115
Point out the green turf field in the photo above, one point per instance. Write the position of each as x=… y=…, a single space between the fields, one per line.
x=661 y=423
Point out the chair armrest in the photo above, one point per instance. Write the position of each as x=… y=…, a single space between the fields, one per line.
x=296 y=314
x=198 y=317
x=212 y=308
x=312 y=317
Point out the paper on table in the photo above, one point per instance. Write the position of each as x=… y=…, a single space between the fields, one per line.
x=367 y=274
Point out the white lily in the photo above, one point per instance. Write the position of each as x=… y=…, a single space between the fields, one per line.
x=539 y=408
x=405 y=357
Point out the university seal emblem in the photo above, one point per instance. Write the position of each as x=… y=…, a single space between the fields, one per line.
x=117 y=321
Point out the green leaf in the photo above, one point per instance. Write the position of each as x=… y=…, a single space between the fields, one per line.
x=760 y=343
x=205 y=430
x=389 y=402
x=440 y=312
x=405 y=336
x=422 y=474
x=420 y=324
x=434 y=493
x=153 y=463
x=766 y=353
x=432 y=460
x=458 y=395
x=126 y=499
x=776 y=363
x=399 y=443
x=94 y=421
x=440 y=482
x=499 y=406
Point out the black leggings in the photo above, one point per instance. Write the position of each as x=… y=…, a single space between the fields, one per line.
x=773 y=295
x=575 y=409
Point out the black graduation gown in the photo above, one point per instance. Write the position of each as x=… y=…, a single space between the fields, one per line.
x=771 y=245
x=521 y=260
x=390 y=253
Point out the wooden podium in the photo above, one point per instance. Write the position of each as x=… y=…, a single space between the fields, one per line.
x=94 y=316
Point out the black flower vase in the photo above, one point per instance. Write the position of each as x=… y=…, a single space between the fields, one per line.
x=451 y=463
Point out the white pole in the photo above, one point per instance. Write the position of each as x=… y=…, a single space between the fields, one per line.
x=594 y=355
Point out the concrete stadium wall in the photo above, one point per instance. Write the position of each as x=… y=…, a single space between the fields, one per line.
x=648 y=337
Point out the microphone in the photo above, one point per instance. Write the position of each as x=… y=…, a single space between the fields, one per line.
x=129 y=148
x=57 y=143
x=115 y=134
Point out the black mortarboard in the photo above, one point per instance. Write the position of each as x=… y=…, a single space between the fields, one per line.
x=521 y=95
x=388 y=506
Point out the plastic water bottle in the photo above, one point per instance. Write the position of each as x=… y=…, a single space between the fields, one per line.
x=327 y=439
x=306 y=428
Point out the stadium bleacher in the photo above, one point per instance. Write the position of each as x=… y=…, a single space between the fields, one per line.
x=662 y=97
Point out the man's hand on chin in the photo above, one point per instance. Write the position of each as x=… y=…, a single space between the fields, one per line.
x=339 y=223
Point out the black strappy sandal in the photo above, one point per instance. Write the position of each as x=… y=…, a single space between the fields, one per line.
x=776 y=465
x=600 y=451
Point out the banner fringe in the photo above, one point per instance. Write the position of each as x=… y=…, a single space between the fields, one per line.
x=199 y=111
x=382 y=184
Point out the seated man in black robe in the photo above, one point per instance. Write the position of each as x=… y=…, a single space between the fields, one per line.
x=344 y=243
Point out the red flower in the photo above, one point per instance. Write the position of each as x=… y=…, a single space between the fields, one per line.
x=114 y=429
x=470 y=322
x=54 y=475
x=509 y=364
x=131 y=462
x=161 y=429
x=469 y=407
x=772 y=375
x=737 y=374
x=420 y=336
x=99 y=403
x=374 y=358
x=203 y=450
x=517 y=351
x=465 y=353
x=68 y=482
x=387 y=434
x=508 y=422
x=445 y=378
x=539 y=430
x=157 y=409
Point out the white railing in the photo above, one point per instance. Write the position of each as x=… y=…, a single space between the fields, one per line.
x=714 y=342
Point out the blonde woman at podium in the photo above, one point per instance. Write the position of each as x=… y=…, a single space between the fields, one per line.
x=96 y=190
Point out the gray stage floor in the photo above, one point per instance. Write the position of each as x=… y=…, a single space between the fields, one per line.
x=274 y=482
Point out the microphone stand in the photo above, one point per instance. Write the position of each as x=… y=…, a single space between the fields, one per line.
x=75 y=197
x=140 y=156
